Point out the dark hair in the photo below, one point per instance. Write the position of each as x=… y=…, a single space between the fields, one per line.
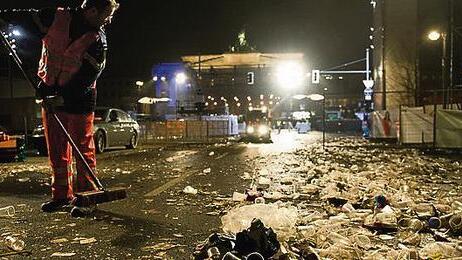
x=99 y=4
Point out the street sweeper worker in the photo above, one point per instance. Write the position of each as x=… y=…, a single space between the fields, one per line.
x=72 y=58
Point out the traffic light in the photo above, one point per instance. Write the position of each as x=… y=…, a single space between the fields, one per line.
x=315 y=76
x=250 y=78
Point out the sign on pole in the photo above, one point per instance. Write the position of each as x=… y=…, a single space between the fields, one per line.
x=368 y=94
x=250 y=78
x=369 y=83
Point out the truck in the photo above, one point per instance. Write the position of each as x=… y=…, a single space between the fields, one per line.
x=257 y=125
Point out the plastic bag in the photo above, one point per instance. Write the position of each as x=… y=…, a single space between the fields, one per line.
x=280 y=218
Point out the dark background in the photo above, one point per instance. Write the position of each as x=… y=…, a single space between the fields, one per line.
x=146 y=32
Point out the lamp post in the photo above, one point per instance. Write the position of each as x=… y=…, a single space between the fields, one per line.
x=180 y=80
x=435 y=36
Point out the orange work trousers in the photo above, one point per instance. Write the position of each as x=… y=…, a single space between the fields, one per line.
x=80 y=128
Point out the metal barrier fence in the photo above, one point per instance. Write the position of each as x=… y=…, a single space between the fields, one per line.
x=428 y=126
x=182 y=130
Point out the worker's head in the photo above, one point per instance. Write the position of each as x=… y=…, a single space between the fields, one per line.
x=98 y=13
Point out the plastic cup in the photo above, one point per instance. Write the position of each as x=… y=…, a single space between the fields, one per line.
x=260 y=200
x=456 y=223
x=7 y=212
x=213 y=253
x=230 y=256
x=255 y=256
x=434 y=222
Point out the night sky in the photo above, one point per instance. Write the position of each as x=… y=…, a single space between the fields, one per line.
x=146 y=32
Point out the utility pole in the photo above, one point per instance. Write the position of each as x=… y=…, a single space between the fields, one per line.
x=10 y=76
x=444 y=71
x=324 y=118
x=451 y=55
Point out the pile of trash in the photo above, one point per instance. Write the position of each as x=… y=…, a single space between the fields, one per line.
x=256 y=242
x=354 y=201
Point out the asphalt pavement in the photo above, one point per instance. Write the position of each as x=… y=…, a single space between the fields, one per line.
x=158 y=220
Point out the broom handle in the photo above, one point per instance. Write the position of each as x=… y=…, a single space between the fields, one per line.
x=61 y=126
x=76 y=149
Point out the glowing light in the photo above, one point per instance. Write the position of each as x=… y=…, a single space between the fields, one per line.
x=250 y=129
x=180 y=78
x=264 y=109
x=263 y=130
x=139 y=83
x=262 y=97
x=314 y=97
x=155 y=78
x=289 y=74
x=249 y=98
x=215 y=103
x=271 y=96
x=149 y=100
x=238 y=104
x=206 y=103
x=434 y=35
x=163 y=78
x=16 y=32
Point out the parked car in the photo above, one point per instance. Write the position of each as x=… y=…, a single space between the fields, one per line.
x=112 y=128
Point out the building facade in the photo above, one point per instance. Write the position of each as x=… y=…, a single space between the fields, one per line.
x=407 y=65
x=237 y=82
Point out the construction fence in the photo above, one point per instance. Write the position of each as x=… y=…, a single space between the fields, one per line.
x=427 y=125
x=187 y=130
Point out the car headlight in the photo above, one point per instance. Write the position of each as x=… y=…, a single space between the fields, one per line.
x=263 y=130
x=250 y=129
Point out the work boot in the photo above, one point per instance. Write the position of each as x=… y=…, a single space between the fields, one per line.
x=54 y=205
x=81 y=212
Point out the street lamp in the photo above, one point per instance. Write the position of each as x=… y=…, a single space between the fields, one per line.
x=435 y=36
x=16 y=32
x=180 y=78
x=139 y=83
x=289 y=74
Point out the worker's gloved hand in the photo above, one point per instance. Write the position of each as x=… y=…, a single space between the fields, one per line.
x=42 y=91
x=52 y=103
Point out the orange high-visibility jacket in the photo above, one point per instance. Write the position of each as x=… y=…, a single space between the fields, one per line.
x=61 y=58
